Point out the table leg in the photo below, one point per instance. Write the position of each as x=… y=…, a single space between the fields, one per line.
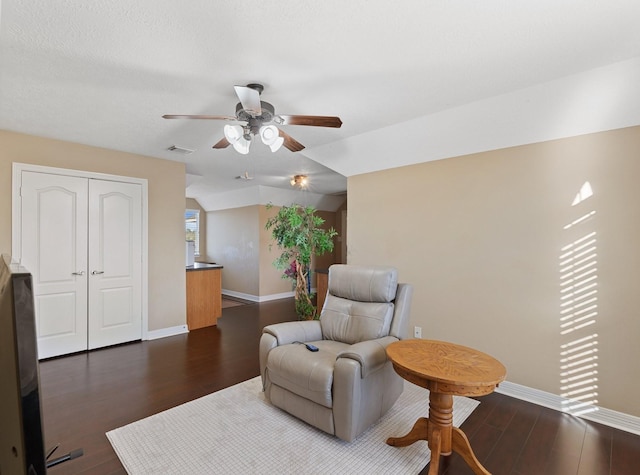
x=435 y=445
x=440 y=434
x=419 y=431
x=423 y=430
x=461 y=445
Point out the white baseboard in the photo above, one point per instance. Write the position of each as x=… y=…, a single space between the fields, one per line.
x=597 y=414
x=257 y=298
x=165 y=332
x=240 y=295
x=284 y=295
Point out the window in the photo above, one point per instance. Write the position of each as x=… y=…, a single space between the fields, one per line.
x=192 y=226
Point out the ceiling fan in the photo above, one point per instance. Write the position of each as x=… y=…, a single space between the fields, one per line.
x=244 y=176
x=259 y=118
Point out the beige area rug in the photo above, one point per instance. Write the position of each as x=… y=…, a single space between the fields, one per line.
x=235 y=431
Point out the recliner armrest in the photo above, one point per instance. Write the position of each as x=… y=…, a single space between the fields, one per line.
x=371 y=354
x=288 y=332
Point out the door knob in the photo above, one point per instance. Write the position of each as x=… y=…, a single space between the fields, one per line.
x=96 y=272
x=78 y=273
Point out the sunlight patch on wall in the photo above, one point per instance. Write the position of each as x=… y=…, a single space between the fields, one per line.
x=579 y=311
x=584 y=193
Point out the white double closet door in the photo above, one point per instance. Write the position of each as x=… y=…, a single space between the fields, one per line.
x=81 y=239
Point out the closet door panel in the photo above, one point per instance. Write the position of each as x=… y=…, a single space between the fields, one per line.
x=115 y=263
x=54 y=249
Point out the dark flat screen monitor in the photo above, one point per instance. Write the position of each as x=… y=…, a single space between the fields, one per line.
x=21 y=440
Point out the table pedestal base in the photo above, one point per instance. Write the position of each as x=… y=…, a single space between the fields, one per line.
x=442 y=437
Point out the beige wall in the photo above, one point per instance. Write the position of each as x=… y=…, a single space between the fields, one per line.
x=481 y=238
x=238 y=240
x=233 y=240
x=271 y=281
x=166 y=182
x=193 y=204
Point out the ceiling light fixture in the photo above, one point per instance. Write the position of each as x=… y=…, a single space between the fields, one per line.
x=240 y=137
x=256 y=114
x=300 y=181
x=270 y=136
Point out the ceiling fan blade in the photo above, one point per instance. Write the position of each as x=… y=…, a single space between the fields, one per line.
x=249 y=98
x=210 y=117
x=291 y=143
x=223 y=143
x=315 y=120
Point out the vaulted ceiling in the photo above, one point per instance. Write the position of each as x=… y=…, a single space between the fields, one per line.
x=411 y=80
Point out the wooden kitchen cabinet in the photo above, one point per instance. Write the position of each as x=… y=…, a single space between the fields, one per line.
x=204 y=295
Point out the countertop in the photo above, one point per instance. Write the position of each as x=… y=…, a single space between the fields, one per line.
x=203 y=266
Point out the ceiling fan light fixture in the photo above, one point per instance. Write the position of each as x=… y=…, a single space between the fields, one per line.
x=275 y=146
x=242 y=145
x=233 y=133
x=270 y=136
x=268 y=133
x=255 y=113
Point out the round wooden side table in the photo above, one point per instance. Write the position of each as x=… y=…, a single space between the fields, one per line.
x=445 y=369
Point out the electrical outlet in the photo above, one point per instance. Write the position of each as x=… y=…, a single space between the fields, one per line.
x=417 y=332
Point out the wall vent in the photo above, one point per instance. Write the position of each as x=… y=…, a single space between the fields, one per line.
x=181 y=150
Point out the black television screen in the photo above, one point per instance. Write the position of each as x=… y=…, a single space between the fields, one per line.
x=21 y=440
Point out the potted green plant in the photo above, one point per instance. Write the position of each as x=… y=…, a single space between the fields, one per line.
x=297 y=231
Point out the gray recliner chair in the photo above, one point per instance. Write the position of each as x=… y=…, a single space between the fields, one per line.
x=348 y=384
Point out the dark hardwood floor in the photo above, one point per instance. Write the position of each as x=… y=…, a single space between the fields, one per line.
x=88 y=394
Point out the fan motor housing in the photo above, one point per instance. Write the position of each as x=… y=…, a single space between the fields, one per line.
x=266 y=116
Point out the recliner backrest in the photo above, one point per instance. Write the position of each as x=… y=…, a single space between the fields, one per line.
x=359 y=304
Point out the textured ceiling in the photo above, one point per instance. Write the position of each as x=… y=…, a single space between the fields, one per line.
x=103 y=72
